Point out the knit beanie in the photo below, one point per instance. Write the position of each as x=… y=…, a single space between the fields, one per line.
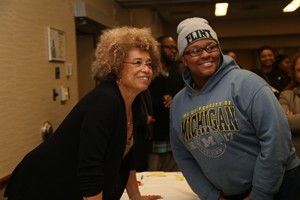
x=193 y=29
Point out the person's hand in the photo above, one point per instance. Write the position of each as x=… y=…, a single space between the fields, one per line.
x=221 y=197
x=167 y=100
x=247 y=198
x=288 y=112
x=151 y=197
x=150 y=120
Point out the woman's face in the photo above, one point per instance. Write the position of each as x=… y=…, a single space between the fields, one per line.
x=267 y=58
x=136 y=72
x=297 y=70
x=204 y=65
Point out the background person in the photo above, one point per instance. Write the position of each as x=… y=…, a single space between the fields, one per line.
x=229 y=134
x=162 y=89
x=290 y=101
x=90 y=154
x=144 y=132
x=266 y=58
x=282 y=69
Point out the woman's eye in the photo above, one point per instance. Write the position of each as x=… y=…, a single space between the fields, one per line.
x=138 y=62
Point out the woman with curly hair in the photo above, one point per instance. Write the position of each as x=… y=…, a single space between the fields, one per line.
x=90 y=155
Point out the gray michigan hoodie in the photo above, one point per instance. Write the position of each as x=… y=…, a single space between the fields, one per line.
x=232 y=135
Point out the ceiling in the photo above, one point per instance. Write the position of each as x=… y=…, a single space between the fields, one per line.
x=174 y=11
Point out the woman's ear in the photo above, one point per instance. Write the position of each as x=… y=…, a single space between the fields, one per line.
x=183 y=61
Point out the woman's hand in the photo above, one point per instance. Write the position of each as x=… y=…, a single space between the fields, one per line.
x=288 y=112
x=150 y=120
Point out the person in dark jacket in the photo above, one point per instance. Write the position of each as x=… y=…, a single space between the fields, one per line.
x=163 y=88
x=144 y=132
x=90 y=155
x=281 y=71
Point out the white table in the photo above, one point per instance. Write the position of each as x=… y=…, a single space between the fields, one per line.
x=170 y=185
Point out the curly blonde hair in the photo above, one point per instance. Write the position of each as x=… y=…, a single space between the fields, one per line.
x=112 y=49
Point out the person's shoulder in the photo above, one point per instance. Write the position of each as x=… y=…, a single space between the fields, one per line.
x=244 y=81
x=103 y=92
x=180 y=99
x=244 y=71
x=106 y=86
x=244 y=74
x=179 y=95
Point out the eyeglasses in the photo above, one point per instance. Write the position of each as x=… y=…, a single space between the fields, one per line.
x=170 y=47
x=197 y=51
x=139 y=63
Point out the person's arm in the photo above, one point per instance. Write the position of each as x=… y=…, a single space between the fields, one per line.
x=293 y=118
x=133 y=189
x=97 y=197
x=95 y=135
x=132 y=186
x=273 y=133
x=285 y=100
x=190 y=169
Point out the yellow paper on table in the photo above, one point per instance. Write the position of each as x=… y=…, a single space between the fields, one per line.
x=179 y=177
x=158 y=173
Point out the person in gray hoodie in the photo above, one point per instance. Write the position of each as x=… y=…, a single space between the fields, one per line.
x=228 y=132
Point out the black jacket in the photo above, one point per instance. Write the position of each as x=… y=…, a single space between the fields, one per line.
x=83 y=157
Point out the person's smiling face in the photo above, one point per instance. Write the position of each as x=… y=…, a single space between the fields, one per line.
x=266 y=59
x=204 y=65
x=136 y=73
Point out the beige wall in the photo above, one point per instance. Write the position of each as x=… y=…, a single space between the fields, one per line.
x=145 y=17
x=27 y=77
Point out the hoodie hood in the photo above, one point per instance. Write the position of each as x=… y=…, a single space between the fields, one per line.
x=227 y=64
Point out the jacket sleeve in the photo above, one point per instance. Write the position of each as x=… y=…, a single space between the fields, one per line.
x=273 y=133
x=95 y=136
x=190 y=169
x=286 y=102
x=294 y=122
